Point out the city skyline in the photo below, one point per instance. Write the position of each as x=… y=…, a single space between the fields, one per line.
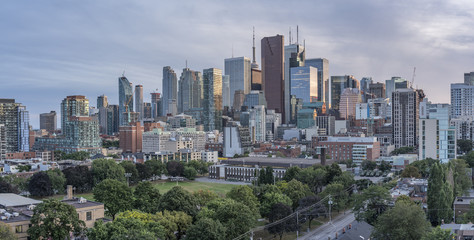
x=56 y=49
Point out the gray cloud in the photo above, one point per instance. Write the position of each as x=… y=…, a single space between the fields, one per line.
x=49 y=50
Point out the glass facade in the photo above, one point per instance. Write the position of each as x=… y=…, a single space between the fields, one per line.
x=238 y=70
x=322 y=65
x=170 y=91
x=304 y=83
x=212 y=101
x=15 y=119
x=125 y=98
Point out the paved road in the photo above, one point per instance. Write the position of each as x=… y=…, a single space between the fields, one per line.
x=327 y=230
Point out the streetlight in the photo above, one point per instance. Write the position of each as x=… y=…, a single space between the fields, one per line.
x=330 y=202
x=128 y=175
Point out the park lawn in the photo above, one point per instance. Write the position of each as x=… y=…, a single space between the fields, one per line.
x=191 y=186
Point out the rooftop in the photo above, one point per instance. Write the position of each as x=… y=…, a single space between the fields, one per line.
x=274 y=162
x=8 y=200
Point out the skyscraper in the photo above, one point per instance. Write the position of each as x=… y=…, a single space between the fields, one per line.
x=338 y=84
x=462 y=100
x=238 y=70
x=364 y=88
x=347 y=105
x=212 y=102
x=256 y=74
x=394 y=84
x=322 y=64
x=73 y=106
x=304 y=83
x=170 y=91
x=294 y=57
x=469 y=78
x=190 y=90
x=377 y=90
x=155 y=105
x=102 y=101
x=125 y=98
x=112 y=119
x=405 y=117
x=273 y=63
x=48 y=121
x=15 y=118
x=226 y=102
x=257 y=124
x=139 y=101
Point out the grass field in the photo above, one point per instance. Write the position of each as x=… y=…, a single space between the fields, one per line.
x=192 y=186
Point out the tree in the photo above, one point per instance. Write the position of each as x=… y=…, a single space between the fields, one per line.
x=156 y=167
x=469 y=157
x=147 y=198
x=6 y=232
x=339 y=195
x=315 y=179
x=206 y=228
x=129 y=167
x=80 y=156
x=203 y=197
x=261 y=190
x=371 y=203
x=439 y=234
x=295 y=190
x=368 y=165
x=272 y=198
x=189 y=173
x=244 y=194
x=135 y=226
x=385 y=166
x=115 y=195
x=424 y=166
x=277 y=212
x=17 y=182
x=175 y=222
x=58 y=180
x=363 y=184
x=266 y=176
x=7 y=187
x=440 y=195
x=175 y=168
x=315 y=211
x=403 y=222
x=24 y=168
x=291 y=173
x=53 y=219
x=346 y=179
x=236 y=217
x=80 y=177
x=402 y=150
x=410 y=172
x=464 y=146
x=459 y=170
x=200 y=166
x=40 y=185
x=144 y=171
x=178 y=199
x=107 y=169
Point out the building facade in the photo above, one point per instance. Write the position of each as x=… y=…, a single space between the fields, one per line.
x=238 y=70
x=170 y=92
x=48 y=121
x=212 y=102
x=273 y=64
x=405 y=117
x=125 y=99
x=139 y=101
x=322 y=64
x=462 y=100
x=304 y=83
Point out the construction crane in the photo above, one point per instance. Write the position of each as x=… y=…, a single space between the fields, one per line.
x=413 y=77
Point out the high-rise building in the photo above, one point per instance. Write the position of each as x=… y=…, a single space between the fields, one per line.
x=273 y=63
x=469 y=78
x=306 y=118
x=256 y=74
x=102 y=104
x=48 y=121
x=139 y=101
x=338 y=84
x=377 y=90
x=3 y=142
x=147 y=110
x=462 y=100
x=294 y=57
x=326 y=122
x=239 y=98
x=155 y=105
x=322 y=64
x=304 y=83
x=15 y=118
x=125 y=98
x=364 y=88
x=394 y=84
x=190 y=90
x=254 y=98
x=112 y=119
x=80 y=132
x=236 y=140
x=170 y=92
x=295 y=105
x=212 y=101
x=102 y=101
x=347 y=105
x=405 y=117
x=464 y=127
x=226 y=94
x=238 y=70
x=257 y=124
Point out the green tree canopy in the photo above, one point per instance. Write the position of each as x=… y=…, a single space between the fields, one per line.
x=402 y=150
x=339 y=195
x=144 y=171
x=316 y=179
x=128 y=227
x=410 y=172
x=385 y=166
x=6 y=232
x=147 y=198
x=371 y=203
x=403 y=222
x=236 y=217
x=203 y=197
x=156 y=167
x=277 y=212
x=178 y=199
x=175 y=168
x=440 y=195
x=40 y=185
x=368 y=165
x=53 y=219
x=206 y=228
x=107 y=169
x=129 y=167
x=459 y=170
x=80 y=177
x=295 y=190
x=189 y=172
x=439 y=234
x=291 y=173
x=244 y=194
x=115 y=195
x=271 y=198
x=58 y=180
x=200 y=166
x=464 y=146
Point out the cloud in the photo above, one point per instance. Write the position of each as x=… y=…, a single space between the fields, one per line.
x=49 y=50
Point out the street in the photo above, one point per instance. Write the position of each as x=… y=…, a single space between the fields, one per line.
x=329 y=230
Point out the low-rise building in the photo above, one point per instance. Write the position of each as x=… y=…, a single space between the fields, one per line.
x=210 y=156
x=357 y=149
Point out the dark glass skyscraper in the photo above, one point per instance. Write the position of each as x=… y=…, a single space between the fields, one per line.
x=170 y=91
x=139 y=101
x=125 y=98
x=273 y=72
x=190 y=90
x=322 y=64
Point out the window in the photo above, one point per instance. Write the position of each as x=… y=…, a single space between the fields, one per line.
x=19 y=229
x=88 y=216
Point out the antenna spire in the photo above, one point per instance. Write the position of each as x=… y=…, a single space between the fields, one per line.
x=289 y=39
x=297 y=35
x=186 y=63
x=253 y=48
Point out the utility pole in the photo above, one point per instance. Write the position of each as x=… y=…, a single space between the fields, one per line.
x=330 y=203
x=128 y=175
x=297 y=228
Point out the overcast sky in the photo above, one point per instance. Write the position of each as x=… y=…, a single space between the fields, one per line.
x=52 y=49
